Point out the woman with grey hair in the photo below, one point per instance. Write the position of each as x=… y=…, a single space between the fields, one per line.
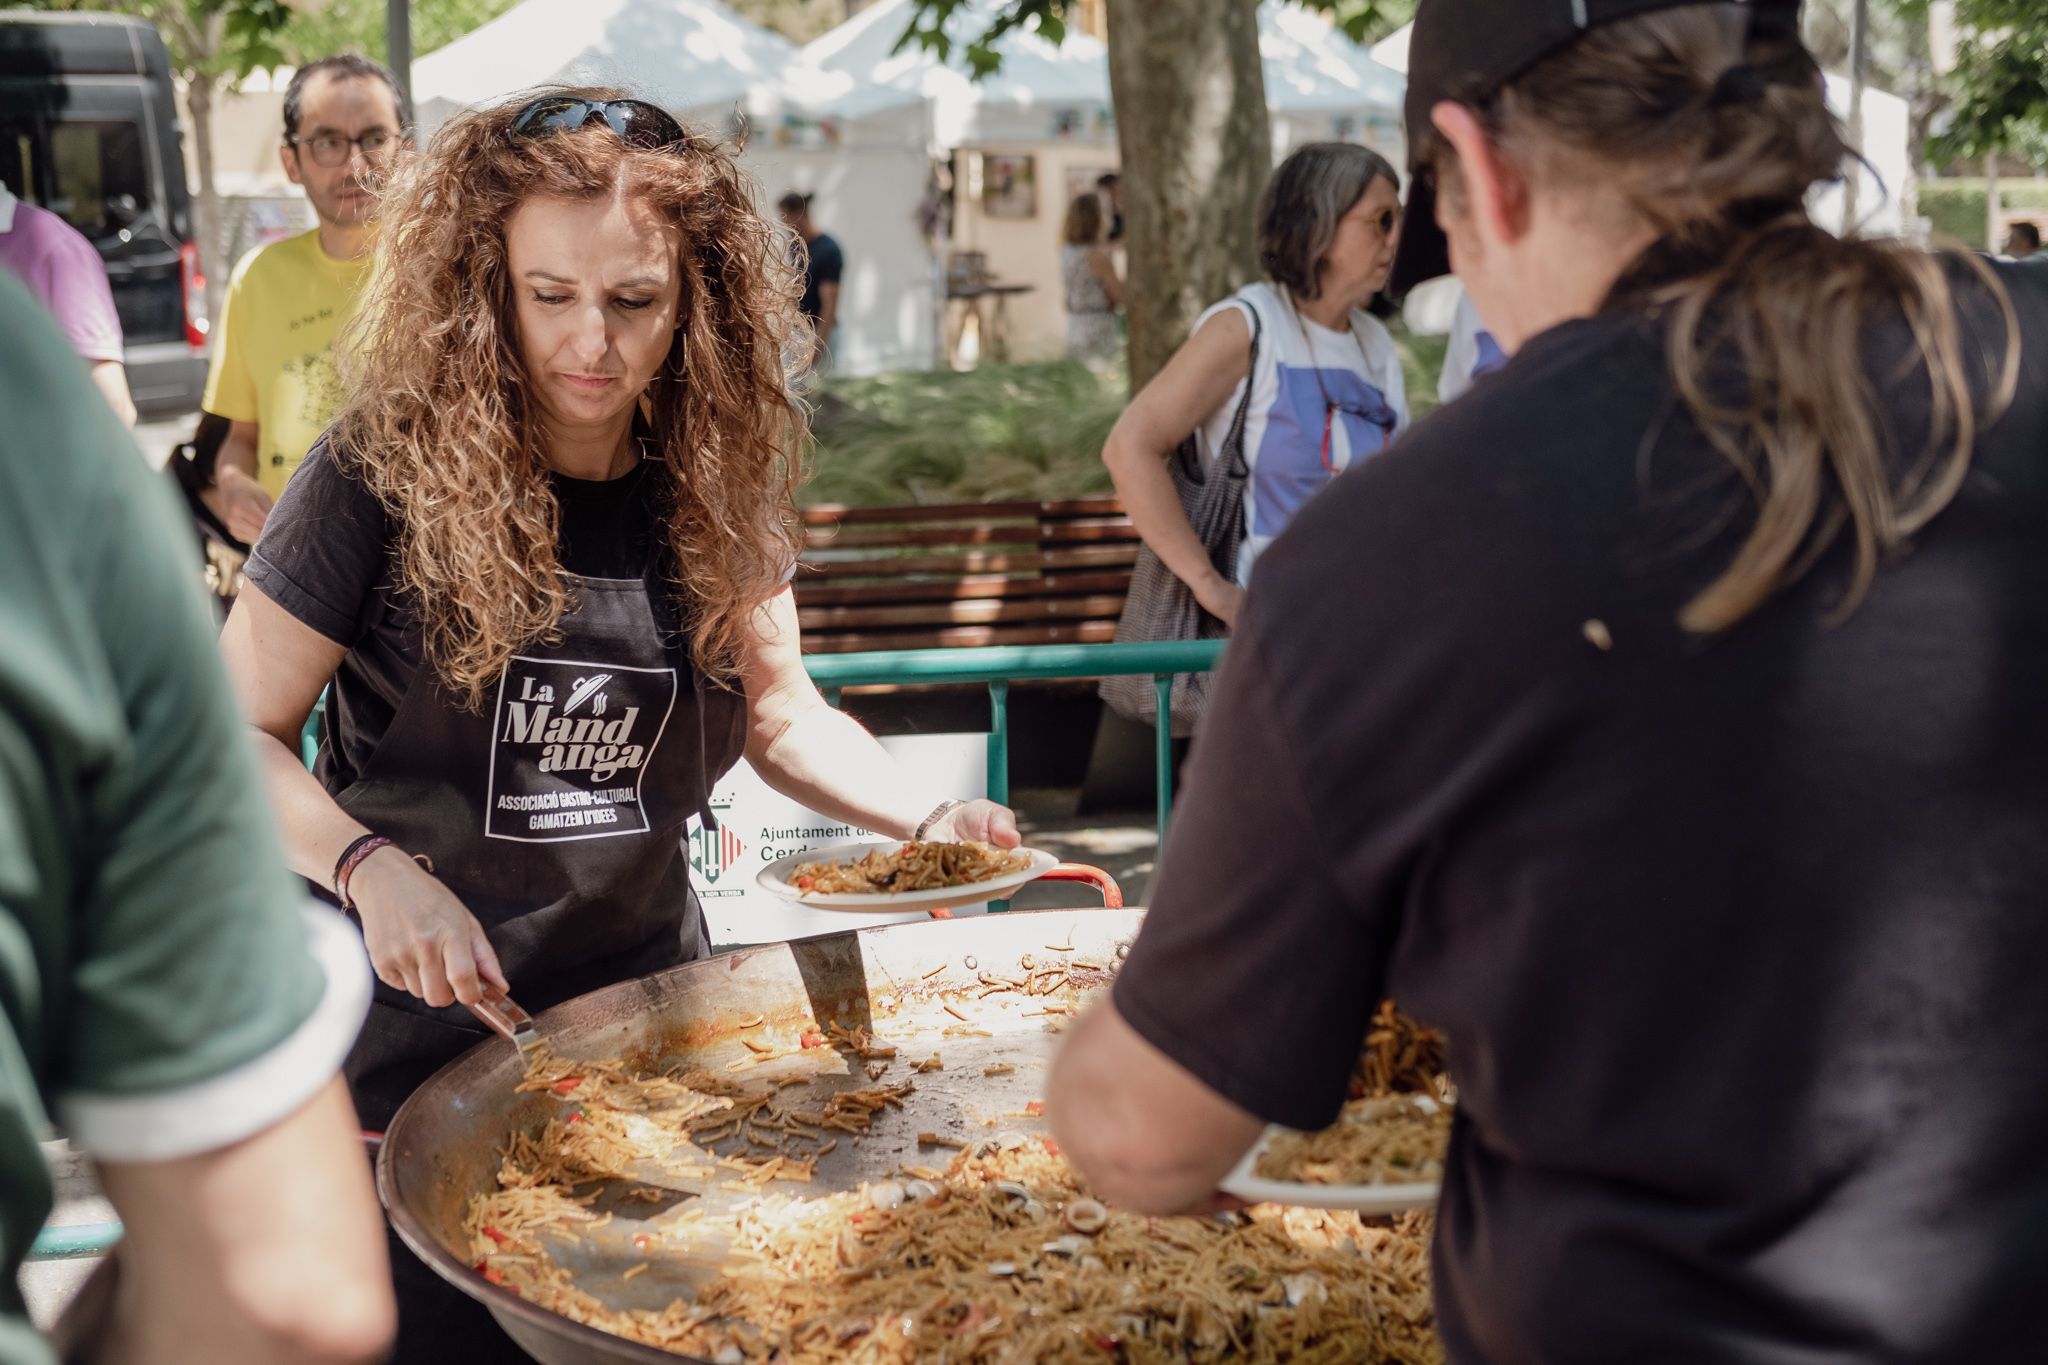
x=1321 y=388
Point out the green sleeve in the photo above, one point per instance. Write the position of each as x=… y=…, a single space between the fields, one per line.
x=184 y=953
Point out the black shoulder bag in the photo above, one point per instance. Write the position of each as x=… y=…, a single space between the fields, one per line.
x=1161 y=607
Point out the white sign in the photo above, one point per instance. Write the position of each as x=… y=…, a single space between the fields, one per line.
x=757 y=825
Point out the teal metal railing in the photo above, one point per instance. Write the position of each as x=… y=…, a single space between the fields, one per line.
x=75 y=1241
x=1000 y=665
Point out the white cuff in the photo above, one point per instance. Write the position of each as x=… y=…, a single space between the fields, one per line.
x=165 y=1125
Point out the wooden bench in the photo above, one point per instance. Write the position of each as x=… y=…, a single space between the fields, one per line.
x=999 y=573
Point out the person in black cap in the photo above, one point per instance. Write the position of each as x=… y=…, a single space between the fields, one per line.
x=1662 y=721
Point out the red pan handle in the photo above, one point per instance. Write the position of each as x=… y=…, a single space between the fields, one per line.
x=1112 y=894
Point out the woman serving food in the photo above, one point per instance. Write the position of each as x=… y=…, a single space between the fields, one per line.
x=542 y=562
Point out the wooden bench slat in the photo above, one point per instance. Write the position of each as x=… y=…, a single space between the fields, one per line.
x=964 y=574
x=1080 y=632
x=835 y=514
x=977 y=562
x=986 y=611
x=973 y=513
x=1058 y=532
x=1084 y=507
x=812 y=593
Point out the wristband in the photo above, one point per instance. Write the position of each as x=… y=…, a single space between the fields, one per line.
x=936 y=815
x=352 y=858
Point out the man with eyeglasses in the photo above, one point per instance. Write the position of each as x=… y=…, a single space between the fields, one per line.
x=273 y=372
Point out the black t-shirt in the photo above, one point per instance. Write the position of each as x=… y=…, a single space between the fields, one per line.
x=1739 y=943
x=825 y=264
x=328 y=556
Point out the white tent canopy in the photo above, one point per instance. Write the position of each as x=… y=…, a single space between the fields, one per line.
x=1392 y=50
x=1037 y=85
x=693 y=56
x=1311 y=71
x=1311 y=66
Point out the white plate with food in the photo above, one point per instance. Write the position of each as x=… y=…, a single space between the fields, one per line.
x=1381 y=1156
x=906 y=876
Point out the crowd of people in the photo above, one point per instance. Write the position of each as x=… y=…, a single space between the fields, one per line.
x=1657 y=719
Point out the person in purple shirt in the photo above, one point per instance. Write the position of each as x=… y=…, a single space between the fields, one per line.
x=64 y=271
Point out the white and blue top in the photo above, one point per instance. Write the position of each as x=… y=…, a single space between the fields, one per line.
x=1321 y=401
x=1472 y=352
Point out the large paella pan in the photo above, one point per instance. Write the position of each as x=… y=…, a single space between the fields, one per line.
x=940 y=1225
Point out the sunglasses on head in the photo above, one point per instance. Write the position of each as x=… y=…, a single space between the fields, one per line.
x=637 y=123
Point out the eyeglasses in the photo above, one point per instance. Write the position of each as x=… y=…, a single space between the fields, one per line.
x=637 y=123
x=332 y=149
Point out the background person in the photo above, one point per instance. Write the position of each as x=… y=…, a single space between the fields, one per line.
x=1327 y=393
x=823 y=263
x=1471 y=352
x=1093 y=292
x=2022 y=241
x=549 y=589
x=163 y=996
x=66 y=275
x=273 y=372
x=1111 y=186
x=1608 y=725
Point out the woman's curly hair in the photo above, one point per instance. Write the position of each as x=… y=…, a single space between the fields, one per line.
x=442 y=426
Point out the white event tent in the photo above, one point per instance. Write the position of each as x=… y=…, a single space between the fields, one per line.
x=1051 y=104
x=692 y=56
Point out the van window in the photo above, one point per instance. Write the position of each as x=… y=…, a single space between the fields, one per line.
x=94 y=175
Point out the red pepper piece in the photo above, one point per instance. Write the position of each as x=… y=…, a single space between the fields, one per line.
x=812 y=1038
x=496 y=1236
x=641 y=1241
x=567 y=1084
x=492 y=1275
x=575 y=1116
x=1036 y=1109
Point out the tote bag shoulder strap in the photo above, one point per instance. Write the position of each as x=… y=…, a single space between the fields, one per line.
x=1233 y=440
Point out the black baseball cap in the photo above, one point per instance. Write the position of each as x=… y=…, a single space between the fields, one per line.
x=1459 y=46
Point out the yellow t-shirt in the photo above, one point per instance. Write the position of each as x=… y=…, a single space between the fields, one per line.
x=273 y=353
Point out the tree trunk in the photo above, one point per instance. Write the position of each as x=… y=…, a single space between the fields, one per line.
x=1859 y=60
x=1197 y=146
x=1991 y=242
x=199 y=91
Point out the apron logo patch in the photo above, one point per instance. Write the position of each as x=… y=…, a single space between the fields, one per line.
x=570 y=743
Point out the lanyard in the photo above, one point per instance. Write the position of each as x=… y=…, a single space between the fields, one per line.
x=1330 y=406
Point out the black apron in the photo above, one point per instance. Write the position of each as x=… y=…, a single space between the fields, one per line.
x=555 y=813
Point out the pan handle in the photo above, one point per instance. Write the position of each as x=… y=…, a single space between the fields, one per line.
x=505 y=1018
x=1112 y=894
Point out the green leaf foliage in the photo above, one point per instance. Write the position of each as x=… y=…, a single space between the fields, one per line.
x=1365 y=21
x=224 y=39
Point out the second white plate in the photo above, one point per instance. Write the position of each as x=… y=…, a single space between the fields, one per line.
x=1371 y=1199
x=775 y=878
